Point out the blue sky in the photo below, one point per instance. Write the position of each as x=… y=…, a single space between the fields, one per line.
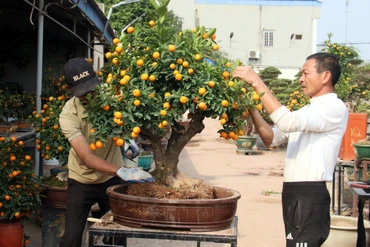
x=333 y=20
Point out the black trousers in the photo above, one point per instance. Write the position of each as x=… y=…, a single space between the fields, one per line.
x=80 y=198
x=306 y=213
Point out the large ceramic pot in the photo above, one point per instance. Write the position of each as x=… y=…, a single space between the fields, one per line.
x=343 y=232
x=11 y=234
x=196 y=215
x=54 y=197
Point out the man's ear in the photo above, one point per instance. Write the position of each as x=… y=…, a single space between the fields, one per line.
x=326 y=77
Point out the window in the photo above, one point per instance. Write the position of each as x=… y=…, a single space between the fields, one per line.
x=268 y=38
x=298 y=36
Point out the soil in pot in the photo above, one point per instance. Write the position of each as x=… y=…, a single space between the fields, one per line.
x=155 y=190
x=53 y=181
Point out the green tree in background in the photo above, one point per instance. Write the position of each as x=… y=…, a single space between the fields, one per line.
x=347 y=87
x=123 y=15
x=270 y=73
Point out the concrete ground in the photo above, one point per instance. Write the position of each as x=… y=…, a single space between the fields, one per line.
x=258 y=178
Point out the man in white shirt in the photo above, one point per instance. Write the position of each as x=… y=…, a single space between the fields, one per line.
x=314 y=134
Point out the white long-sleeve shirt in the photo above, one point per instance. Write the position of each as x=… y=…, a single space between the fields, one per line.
x=314 y=134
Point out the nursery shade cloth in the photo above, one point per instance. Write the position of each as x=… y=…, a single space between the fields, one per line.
x=73 y=122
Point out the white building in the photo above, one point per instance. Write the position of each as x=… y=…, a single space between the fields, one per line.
x=279 y=33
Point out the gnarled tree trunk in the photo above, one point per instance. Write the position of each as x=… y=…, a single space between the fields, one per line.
x=166 y=160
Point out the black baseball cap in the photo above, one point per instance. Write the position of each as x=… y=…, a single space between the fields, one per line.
x=80 y=76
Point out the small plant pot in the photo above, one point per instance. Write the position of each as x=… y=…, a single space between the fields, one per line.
x=145 y=161
x=5 y=129
x=24 y=126
x=51 y=162
x=362 y=151
x=245 y=143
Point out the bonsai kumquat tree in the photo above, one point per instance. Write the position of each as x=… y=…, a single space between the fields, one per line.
x=51 y=141
x=158 y=73
x=19 y=196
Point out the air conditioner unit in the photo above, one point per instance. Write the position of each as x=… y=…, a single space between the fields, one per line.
x=253 y=54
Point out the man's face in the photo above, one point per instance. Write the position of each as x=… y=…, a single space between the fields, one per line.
x=312 y=83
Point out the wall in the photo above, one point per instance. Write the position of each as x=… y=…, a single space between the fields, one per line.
x=248 y=20
x=185 y=9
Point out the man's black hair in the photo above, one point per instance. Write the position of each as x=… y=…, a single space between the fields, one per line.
x=327 y=62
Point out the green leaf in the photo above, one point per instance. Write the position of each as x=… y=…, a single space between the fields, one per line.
x=154 y=3
x=117 y=131
x=165 y=3
x=211 y=32
x=138 y=114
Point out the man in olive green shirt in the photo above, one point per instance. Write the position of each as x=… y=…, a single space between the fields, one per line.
x=90 y=172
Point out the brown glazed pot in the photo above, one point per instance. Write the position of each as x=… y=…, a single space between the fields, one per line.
x=54 y=197
x=11 y=234
x=188 y=214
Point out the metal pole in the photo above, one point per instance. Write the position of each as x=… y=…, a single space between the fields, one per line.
x=40 y=48
x=88 y=40
x=346 y=27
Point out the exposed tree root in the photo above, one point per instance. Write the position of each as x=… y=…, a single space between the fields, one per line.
x=183 y=188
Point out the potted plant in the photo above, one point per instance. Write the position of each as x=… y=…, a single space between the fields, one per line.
x=8 y=107
x=51 y=142
x=26 y=105
x=54 y=148
x=157 y=73
x=362 y=149
x=19 y=196
x=18 y=104
x=246 y=141
x=5 y=126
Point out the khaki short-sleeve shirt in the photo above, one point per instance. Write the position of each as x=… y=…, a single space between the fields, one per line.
x=73 y=122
